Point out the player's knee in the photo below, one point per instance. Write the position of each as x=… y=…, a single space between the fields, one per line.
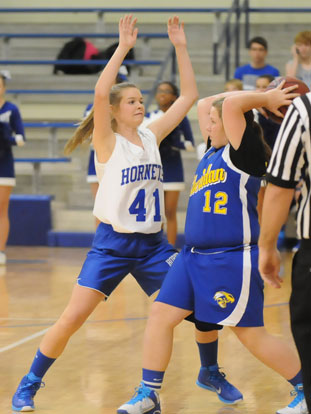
x=71 y=321
x=4 y=207
x=170 y=214
x=250 y=337
x=165 y=315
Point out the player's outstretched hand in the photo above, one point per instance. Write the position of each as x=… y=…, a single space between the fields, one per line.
x=278 y=97
x=127 y=32
x=175 y=30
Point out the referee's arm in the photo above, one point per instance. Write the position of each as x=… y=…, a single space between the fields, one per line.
x=283 y=174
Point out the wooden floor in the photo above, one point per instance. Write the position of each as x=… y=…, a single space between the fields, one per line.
x=101 y=365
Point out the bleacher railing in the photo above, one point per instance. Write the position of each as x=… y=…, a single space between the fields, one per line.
x=228 y=34
x=225 y=35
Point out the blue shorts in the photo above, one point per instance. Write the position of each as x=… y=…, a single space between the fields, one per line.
x=220 y=287
x=7 y=172
x=147 y=257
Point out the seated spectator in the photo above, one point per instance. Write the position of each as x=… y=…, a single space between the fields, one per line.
x=300 y=65
x=233 y=85
x=258 y=50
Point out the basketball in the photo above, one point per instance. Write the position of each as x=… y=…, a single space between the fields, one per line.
x=289 y=81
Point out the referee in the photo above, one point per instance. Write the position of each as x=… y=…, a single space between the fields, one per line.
x=289 y=164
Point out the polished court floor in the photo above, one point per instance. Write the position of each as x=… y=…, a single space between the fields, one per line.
x=101 y=364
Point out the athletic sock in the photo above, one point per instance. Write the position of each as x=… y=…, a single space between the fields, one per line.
x=153 y=379
x=296 y=380
x=40 y=364
x=208 y=353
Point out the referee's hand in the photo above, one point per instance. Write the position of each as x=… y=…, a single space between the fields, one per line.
x=269 y=266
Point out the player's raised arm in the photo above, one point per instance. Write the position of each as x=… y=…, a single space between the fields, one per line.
x=234 y=108
x=103 y=137
x=188 y=89
x=204 y=108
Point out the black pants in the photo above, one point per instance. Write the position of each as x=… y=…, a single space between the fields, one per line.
x=300 y=312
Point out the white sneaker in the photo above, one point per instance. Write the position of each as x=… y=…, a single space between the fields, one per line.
x=2 y=258
x=298 y=405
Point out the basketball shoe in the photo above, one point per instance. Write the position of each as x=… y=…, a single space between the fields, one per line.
x=213 y=380
x=298 y=405
x=23 y=398
x=144 y=401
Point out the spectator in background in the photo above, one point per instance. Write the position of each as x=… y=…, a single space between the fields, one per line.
x=258 y=50
x=180 y=138
x=233 y=85
x=11 y=133
x=300 y=65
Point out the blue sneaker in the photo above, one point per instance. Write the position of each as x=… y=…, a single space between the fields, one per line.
x=298 y=405
x=213 y=380
x=144 y=401
x=23 y=398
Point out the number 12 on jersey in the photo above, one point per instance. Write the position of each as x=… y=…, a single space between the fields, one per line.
x=138 y=206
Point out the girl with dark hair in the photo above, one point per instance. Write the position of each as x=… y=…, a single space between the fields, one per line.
x=216 y=274
x=180 y=138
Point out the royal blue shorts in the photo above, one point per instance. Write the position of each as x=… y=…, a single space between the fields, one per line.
x=147 y=257
x=220 y=287
x=7 y=172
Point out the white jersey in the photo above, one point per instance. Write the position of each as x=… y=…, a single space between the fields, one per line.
x=152 y=116
x=130 y=195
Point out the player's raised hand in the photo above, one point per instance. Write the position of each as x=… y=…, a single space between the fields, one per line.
x=127 y=31
x=278 y=97
x=175 y=30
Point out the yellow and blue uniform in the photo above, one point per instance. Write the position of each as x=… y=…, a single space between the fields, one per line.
x=216 y=274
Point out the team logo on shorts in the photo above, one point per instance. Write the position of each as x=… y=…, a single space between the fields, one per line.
x=171 y=259
x=223 y=298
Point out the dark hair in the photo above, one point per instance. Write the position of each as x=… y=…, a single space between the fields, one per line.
x=172 y=85
x=269 y=77
x=260 y=40
x=3 y=79
x=250 y=120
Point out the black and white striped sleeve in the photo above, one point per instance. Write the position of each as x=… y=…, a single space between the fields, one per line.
x=288 y=156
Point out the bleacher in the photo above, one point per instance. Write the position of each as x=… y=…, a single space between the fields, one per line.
x=52 y=104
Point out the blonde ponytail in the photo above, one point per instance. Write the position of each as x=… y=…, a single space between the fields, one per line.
x=82 y=133
x=85 y=129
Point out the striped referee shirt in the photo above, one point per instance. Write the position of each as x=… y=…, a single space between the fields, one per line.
x=291 y=159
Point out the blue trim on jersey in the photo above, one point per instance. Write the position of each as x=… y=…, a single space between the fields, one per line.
x=91 y=168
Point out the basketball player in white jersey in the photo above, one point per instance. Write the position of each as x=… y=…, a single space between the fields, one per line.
x=129 y=201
